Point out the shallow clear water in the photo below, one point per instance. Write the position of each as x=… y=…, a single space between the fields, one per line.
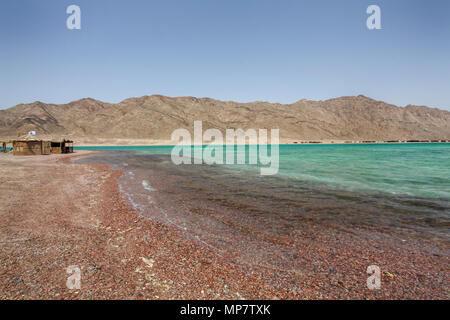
x=402 y=190
x=420 y=169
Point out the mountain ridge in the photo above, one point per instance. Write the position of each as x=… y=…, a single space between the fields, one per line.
x=157 y=116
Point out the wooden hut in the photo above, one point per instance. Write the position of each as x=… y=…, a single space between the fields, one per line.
x=63 y=146
x=30 y=147
x=5 y=145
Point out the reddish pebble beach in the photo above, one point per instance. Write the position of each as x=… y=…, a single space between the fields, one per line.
x=56 y=214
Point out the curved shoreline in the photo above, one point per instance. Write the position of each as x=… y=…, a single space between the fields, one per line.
x=57 y=213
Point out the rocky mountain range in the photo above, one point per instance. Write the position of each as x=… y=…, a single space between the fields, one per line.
x=155 y=117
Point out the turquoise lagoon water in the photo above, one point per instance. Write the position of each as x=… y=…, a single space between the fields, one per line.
x=421 y=170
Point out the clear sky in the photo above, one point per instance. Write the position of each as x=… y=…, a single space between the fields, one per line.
x=241 y=50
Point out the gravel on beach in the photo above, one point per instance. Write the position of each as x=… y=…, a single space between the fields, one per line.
x=55 y=214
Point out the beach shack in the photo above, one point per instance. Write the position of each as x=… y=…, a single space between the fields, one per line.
x=5 y=146
x=30 y=147
x=63 y=146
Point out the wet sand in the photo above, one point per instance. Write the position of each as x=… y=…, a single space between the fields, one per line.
x=55 y=213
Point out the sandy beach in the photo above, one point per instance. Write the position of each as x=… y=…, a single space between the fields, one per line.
x=56 y=213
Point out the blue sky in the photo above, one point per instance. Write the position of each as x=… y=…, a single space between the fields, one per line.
x=241 y=50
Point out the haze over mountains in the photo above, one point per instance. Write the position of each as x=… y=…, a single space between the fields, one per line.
x=156 y=117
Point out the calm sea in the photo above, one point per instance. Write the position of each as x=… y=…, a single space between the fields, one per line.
x=421 y=170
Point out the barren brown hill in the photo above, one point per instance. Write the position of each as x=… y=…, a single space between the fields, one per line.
x=155 y=117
